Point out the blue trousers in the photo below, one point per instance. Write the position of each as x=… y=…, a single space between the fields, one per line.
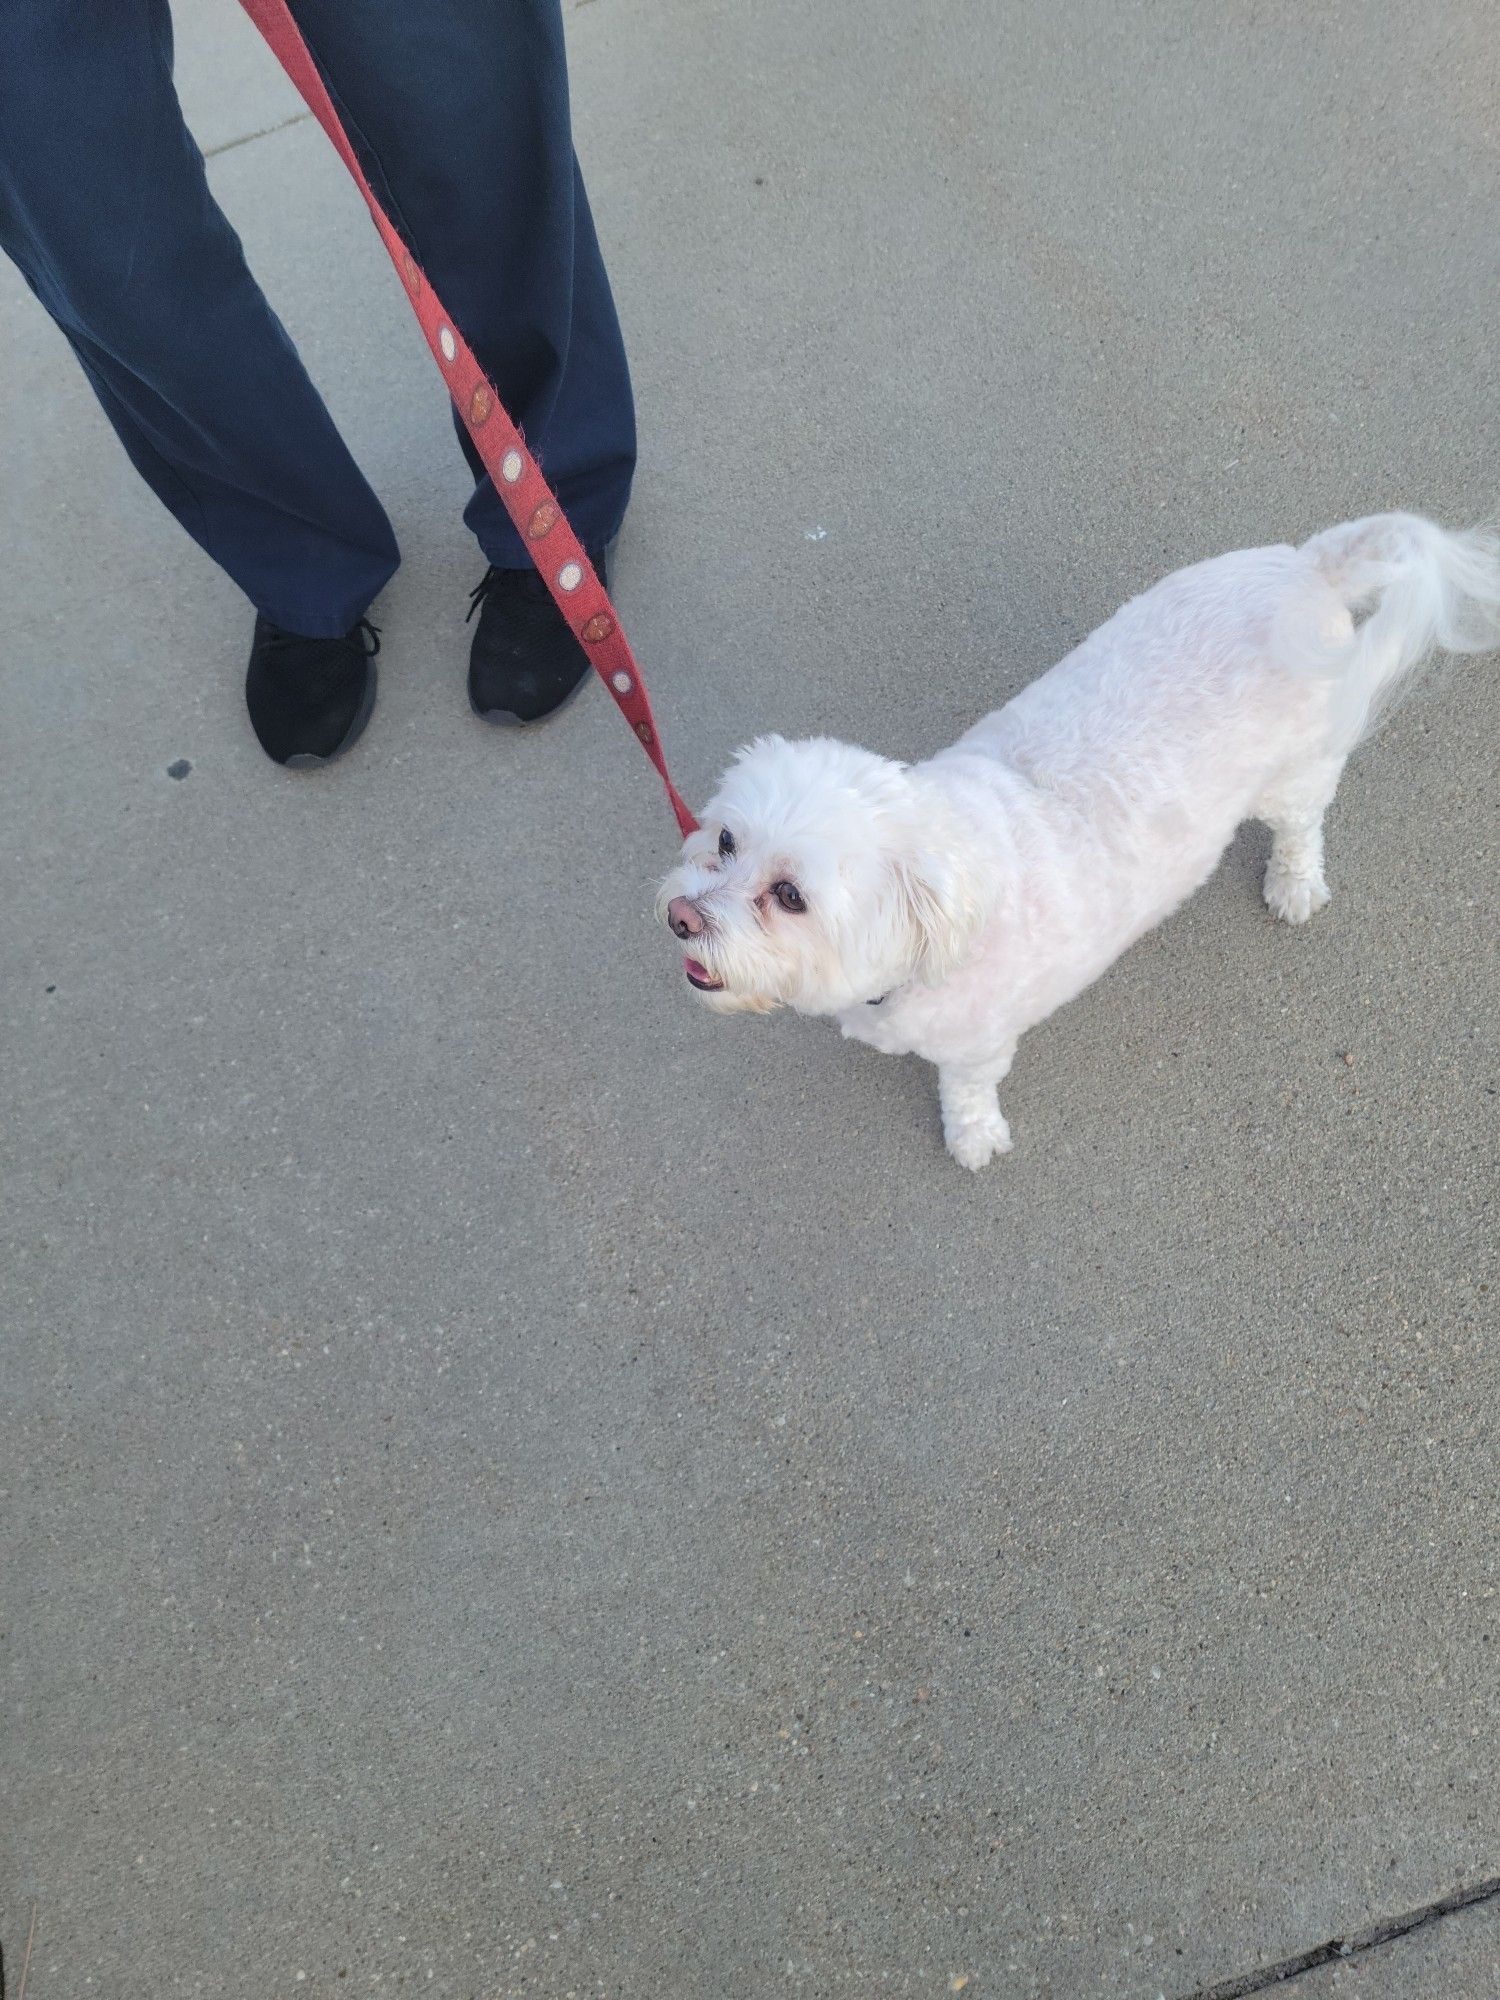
x=459 y=111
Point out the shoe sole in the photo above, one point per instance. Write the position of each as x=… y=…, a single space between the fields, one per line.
x=306 y=760
x=505 y=718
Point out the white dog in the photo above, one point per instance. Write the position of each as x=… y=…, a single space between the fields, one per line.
x=944 y=908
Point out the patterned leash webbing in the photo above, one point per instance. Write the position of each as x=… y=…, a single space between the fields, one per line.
x=529 y=500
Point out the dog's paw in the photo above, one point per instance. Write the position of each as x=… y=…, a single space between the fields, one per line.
x=1294 y=896
x=978 y=1141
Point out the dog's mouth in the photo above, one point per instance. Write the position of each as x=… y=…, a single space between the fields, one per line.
x=699 y=975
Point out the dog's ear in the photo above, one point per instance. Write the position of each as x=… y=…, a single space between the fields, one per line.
x=941 y=908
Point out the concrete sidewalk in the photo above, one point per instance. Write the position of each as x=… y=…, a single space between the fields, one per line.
x=515 y=1487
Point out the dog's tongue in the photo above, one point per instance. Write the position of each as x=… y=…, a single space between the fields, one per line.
x=696 y=969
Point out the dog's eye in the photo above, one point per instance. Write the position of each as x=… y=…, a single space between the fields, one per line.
x=726 y=841
x=788 y=895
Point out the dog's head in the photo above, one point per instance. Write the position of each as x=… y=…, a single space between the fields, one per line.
x=822 y=876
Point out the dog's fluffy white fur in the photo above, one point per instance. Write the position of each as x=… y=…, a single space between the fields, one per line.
x=943 y=908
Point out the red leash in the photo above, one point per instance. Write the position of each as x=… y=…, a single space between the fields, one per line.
x=529 y=500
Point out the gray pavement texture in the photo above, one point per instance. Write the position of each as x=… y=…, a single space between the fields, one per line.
x=1459 y=1956
x=516 y=1487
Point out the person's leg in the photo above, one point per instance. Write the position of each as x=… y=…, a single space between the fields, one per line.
x=459 y=111
x=105 y=207
x=586 y=442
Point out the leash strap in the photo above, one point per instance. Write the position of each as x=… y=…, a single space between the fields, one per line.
x=544 y=527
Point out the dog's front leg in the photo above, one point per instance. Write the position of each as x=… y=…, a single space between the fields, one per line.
x=973 y=1124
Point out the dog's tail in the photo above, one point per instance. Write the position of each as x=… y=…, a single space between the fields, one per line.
x=1424 y=590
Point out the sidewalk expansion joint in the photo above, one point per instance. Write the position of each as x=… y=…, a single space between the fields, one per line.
x=213 y=152
x=1339 y=1948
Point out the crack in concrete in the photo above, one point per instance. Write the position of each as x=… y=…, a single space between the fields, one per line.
x=1340 y=1948
x=265 y=132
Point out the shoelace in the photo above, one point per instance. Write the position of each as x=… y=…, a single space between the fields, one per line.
x=362 y=633
x=480 y=592
x=525 y=582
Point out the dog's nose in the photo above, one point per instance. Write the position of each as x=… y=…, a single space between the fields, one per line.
x=684 y=917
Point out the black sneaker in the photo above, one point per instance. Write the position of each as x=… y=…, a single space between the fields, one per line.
x=524 y=663
x=309 y=699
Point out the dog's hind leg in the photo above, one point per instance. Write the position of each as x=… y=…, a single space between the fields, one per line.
x=1293 y=807
x=974 y=1126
